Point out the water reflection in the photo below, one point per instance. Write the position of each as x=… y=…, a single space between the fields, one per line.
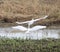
x=40 y=34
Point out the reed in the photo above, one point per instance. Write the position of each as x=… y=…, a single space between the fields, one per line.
x=15 y=10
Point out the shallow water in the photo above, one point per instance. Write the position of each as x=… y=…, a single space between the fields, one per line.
x=40 y=34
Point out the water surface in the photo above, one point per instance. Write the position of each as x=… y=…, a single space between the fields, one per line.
x=40 y=34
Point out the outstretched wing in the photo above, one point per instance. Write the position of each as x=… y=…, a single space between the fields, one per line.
x=41 y=18
x=35 y=28
x=32 y=20
x=21 y=28
x=22 y=22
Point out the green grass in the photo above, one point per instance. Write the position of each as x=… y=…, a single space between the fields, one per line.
x=17 y=45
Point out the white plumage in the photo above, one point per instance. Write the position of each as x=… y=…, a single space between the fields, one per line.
x=21 y=28
x=35 y=28
x=27 y=30
x=32 y=21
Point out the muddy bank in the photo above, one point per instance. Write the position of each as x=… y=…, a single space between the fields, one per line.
x=11 y=21
x=49 y=25
x=24 y=10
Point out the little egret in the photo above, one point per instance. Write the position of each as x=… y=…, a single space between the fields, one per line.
x=32 y=21
x=35 y=28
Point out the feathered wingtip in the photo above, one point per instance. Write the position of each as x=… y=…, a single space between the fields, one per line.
x=45 y=16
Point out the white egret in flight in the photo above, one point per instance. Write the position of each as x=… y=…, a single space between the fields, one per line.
x=30 y=23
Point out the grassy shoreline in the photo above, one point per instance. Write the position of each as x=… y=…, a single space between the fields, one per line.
x=18 y=45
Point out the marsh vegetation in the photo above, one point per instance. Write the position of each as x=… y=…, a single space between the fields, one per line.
x=23 y=10
x=17 y=45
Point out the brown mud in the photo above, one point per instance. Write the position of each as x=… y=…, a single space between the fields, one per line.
x=24 y=10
